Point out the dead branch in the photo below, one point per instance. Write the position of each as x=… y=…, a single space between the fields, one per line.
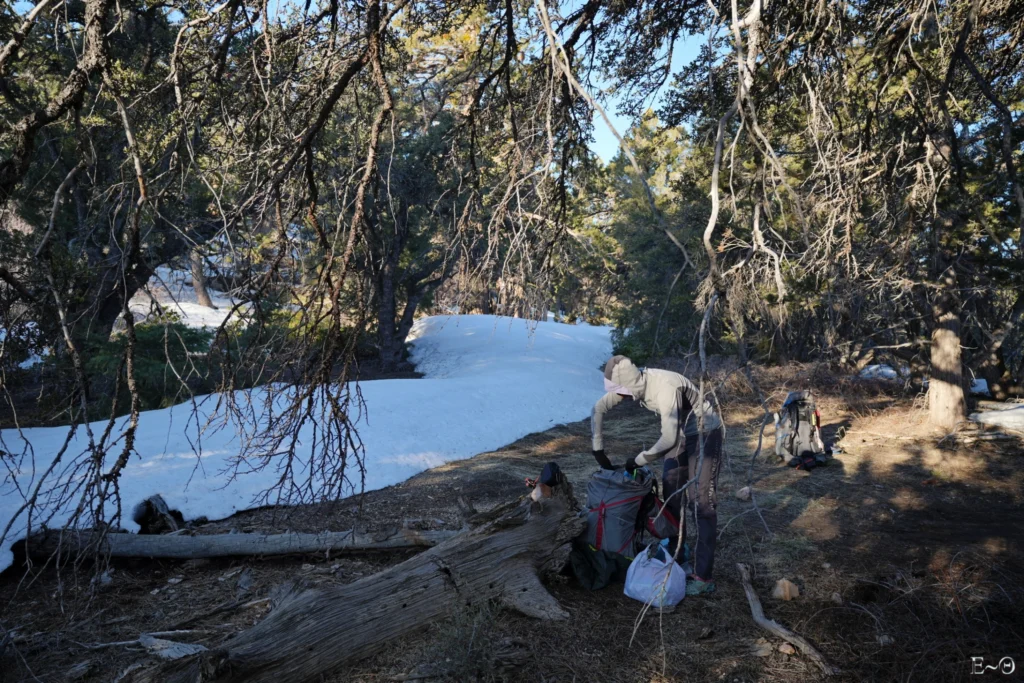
x=181 y=547
x=777 y=629
x=333 y=627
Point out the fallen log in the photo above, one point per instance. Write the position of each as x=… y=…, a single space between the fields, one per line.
x=182 y=547
x=313 y=632
x=775 y=628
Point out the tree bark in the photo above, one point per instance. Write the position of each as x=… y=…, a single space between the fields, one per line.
x=314 y=632
x=389 y=347
x=993 y=367
x=946 y=403
x=180 y=547
x=199 y=278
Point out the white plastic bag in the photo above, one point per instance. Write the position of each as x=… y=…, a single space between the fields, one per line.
x=655 y=578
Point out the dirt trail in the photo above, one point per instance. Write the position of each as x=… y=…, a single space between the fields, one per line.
x=908 y=558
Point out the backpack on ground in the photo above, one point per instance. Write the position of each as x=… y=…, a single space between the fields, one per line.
x=798 y=432
x=623 y=512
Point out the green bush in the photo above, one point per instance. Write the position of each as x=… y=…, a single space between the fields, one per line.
x=170 y=362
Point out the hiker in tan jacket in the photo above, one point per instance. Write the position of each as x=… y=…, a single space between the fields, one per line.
x=673 y=398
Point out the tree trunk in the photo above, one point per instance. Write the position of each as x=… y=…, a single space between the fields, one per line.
x=112 y=297
x=485 y=300
x=387 y=344
x=181 y=547
x=946 y=404
x=199 y=278
x=993 y=367
x=314 y=632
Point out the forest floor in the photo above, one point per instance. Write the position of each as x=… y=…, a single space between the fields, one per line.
x=907 y=550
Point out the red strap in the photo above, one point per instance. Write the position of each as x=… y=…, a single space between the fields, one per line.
x=628 y=541
x=600 y=518
x=667 y=514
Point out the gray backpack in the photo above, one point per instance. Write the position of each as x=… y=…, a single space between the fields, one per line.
x=614 y=500
x=798 y=432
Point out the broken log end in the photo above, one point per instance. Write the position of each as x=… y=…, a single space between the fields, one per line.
x=527 y=595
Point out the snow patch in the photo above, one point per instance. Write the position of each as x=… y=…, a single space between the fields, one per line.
x=487 y=382
x=172 y=291
x=878 y=372
x=1011 y=417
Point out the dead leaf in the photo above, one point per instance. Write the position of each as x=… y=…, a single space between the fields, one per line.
x=229 y=574
x=168 y=649
x=244 y=583
x=761 y=648
x=80 y=670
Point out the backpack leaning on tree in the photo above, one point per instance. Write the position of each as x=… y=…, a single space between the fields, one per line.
x=798 y=432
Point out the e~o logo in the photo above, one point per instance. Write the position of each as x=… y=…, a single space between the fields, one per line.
x=1005 y=666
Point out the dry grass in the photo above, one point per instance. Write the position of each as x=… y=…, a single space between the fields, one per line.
x=907 y=552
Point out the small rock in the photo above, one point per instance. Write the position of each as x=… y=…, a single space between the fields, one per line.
x=787 y=649
x=826 y=565
x=743 y=493
x=706 y=633
x=154 y=591
x=837 y=598
x=244 y=583
x=307 y=567
x=175 y=580
x=884 y=640
x=785 y=590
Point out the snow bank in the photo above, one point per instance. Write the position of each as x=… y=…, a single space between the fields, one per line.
x=172 y=290
x=488 y=381
x=1011 y=417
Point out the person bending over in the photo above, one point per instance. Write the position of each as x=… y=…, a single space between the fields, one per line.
x=673 y=398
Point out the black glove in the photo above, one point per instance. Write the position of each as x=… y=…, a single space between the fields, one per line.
x=630 y=465
x=603 y=460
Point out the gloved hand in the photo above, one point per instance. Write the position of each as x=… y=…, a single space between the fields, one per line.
x=630 y=465
x=603 y=460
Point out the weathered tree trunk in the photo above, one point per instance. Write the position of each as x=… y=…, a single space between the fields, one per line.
x=181 y=547
x=388 y=345
x=199 y=278
x=946 y=404
x=317 y=631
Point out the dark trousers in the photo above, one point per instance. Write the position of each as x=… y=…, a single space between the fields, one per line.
x=703 y=494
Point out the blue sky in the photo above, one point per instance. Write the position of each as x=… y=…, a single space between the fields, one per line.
x=605 y=145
